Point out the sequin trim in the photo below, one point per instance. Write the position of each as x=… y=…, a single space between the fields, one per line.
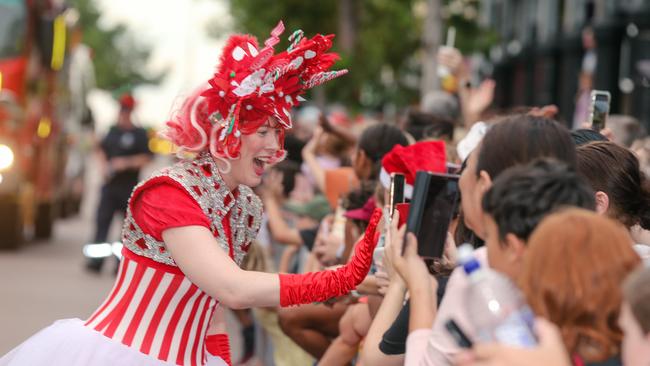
x=202 y=180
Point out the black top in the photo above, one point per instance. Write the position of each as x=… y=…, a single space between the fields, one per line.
x=394 y=340
x=121 y=142
x=308 y=237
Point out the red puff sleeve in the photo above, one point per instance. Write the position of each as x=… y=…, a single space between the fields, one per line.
x=165 y=204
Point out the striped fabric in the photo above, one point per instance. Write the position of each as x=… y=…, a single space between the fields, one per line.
x=154 y=308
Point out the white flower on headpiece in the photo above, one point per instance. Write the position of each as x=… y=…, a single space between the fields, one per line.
x=250 y=83
x=268 y=84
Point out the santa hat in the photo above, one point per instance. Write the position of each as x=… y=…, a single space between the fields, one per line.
x=408 y=160
x=251 y=84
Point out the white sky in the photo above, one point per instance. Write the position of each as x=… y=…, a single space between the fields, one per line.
x=176 y=31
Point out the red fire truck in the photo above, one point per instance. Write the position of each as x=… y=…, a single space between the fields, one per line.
x=35 y=101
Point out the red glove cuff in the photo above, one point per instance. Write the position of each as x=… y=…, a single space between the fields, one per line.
x=310 y=287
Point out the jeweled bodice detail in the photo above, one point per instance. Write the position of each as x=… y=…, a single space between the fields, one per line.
x=202 y=180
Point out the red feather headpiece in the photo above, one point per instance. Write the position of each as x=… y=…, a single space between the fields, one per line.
x=253 y=84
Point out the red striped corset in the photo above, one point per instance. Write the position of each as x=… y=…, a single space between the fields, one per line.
x=153 y=307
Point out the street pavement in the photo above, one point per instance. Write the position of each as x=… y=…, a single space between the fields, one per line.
x=45 y=281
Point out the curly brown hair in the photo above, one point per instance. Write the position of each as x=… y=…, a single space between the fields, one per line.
x=572 y=274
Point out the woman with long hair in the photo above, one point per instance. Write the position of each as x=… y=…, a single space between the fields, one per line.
x=189 y=226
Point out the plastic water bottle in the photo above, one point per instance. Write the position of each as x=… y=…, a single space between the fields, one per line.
x=495 y=306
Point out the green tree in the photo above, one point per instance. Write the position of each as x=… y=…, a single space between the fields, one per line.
x=470 y=35
x=381 y=42
x=377 y=41
x=118 y=58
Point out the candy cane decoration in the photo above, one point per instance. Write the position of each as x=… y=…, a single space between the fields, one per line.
x=295 y=38
x=323 y=77
x=275 y=35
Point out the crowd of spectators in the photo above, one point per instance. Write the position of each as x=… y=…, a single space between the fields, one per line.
x=563 y=214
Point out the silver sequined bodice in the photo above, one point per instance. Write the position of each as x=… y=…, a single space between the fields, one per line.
x=201 y=179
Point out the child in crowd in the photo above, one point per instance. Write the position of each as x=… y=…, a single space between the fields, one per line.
x=620 y=310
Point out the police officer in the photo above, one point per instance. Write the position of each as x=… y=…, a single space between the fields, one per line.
x=124 y=151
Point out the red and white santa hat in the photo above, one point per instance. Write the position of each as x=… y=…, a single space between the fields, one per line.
x=408 y=160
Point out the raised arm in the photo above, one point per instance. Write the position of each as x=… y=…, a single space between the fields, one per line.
x=199 y=256
x=280 y=230
x=390 y=307
x=309 y=157
x=271 y=195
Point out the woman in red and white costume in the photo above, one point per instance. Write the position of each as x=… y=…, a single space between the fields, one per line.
x=188 y=227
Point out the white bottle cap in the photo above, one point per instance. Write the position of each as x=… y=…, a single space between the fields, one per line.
x=465 y=253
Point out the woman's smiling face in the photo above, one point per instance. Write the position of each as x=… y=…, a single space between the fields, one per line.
x=257 y=150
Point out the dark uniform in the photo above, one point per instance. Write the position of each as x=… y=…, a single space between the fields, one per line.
x=117 y=189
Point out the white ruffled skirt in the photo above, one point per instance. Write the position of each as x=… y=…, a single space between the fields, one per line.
x=69 y=343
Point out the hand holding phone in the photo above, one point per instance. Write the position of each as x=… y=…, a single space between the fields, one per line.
x=416 y=207
x=435 y=198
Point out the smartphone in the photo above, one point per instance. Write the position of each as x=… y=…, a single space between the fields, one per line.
x=396 y=191
x=459 y=336
x=599 y=109
x=435 y=198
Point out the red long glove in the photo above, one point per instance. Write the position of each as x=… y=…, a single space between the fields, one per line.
x=310 y=287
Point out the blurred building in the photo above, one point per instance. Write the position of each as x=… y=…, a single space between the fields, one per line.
x=540 y=54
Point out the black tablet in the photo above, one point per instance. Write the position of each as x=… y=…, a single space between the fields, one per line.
x=435 y=197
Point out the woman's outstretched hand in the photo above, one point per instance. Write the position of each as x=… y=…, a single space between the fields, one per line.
x=359 y=265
